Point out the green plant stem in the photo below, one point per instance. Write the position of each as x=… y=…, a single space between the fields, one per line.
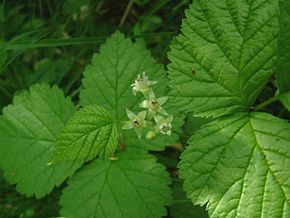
x=267 y=102
x=125 y=15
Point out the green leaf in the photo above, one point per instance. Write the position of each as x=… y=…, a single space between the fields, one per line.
x=283 y=73
x=28 y=129
x=132 y=186
x=239 y=166
x=107 y=82
x=89 y=133
x=285 y=99
x=224 y=55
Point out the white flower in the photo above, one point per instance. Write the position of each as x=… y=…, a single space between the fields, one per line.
x=137 y=121
x=142 y=84
x=163 y=124
x=154 y=105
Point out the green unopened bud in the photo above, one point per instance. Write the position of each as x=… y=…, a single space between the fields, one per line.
x=150 y=135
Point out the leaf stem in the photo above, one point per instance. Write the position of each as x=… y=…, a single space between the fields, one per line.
x=267 y=102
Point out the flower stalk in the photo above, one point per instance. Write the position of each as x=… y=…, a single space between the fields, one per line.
x=156 y=119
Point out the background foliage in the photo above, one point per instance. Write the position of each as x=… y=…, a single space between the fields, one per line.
x=52 y=41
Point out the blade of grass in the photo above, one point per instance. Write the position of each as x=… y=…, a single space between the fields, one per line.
x=125 y=15
x=70 y=42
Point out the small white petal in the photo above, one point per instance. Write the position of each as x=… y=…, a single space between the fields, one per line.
x=144 y=104
x=162 y=111
x=150 y=114
x=162 y=132
x=135 y=90
x=157 y=118
x=146 y=93
x=142 y=114
x=130 y=114
x=138 y=132
x=150 y=83
x=151 y=94
x=170 y=118
x=127 y=125
x=162 y=100
x=147 y=123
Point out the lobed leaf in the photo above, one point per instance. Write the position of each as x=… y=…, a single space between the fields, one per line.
x=283 y=73
x=89 y=133
x=28 y=129
x=285 y=99
x=107 y=82
x=132 y=186
x=239 y=166
x=224 y=55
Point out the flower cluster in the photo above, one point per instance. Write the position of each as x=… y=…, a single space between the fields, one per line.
x=156 y=119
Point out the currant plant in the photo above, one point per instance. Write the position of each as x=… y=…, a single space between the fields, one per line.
x=44 y=139
x=28 y=129
x=237 y=165
x=154 y=105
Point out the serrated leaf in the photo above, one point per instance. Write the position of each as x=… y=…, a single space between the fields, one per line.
x=89 y=133
x=107 y=82
x=239 y=166
x=28 y=129
x=283 y=72
x=285 y=99
x=224 y=55
x=132 y=186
